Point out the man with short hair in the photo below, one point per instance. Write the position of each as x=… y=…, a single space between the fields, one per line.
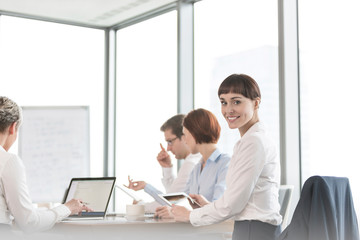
x=174 y=137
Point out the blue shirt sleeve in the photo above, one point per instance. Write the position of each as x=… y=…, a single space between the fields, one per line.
x=220 y=184
x=152 y=191
x=190 y=181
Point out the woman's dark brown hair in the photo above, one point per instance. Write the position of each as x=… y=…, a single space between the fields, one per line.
x=240 y=84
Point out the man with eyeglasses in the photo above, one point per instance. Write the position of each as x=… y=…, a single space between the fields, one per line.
x=174 y=137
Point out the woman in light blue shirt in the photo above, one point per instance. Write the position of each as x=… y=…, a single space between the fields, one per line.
x=202 y=131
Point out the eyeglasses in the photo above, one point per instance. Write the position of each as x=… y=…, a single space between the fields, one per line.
x=171 y=141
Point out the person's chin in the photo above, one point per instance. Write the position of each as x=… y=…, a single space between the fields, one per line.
x=233 y=125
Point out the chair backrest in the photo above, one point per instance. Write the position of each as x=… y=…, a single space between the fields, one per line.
x=324 y=211
x=285 y=195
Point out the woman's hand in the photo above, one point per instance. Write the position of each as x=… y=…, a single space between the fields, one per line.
x=181 y=214
x=200 y=199
x=76 y=206
x=136 y=185
x=163 y=212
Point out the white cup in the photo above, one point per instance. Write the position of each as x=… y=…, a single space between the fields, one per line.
x=135 y=210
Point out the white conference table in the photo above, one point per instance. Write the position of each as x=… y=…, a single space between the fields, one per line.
x=121 y=228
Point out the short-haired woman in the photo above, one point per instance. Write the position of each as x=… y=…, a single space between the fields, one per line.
x=202 y=131
x=15 y=203
x=251 y=196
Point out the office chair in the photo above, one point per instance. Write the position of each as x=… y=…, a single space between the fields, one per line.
x=285 y=195
x=325 y=211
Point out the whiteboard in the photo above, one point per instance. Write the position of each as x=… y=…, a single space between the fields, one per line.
x=54 y=146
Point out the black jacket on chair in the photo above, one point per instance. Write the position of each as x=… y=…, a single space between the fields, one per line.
x=325 y=211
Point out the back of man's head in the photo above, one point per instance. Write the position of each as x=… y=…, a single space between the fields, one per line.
x=175 y=124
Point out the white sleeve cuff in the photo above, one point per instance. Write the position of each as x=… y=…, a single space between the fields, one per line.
x=203 y=216
x=168 y=172
x=194 y=217
x=61 y=212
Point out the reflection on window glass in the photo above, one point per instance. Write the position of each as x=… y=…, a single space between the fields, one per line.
x=241 y=39
x=146 y=96
x=329 y=76
x=49 y=64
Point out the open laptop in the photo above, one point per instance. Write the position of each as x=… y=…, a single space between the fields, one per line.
x=94 y=192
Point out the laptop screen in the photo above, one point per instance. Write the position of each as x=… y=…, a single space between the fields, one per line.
x=94 y=192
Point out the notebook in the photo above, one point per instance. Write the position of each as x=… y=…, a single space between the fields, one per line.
x=94 y=192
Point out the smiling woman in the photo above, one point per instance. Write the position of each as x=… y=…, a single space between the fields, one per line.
x=240 y=101
x=253 y=177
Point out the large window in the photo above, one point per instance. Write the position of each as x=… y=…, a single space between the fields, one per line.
x=242 y=38
x=146 y=96
x=329 y=75
x=48 y=64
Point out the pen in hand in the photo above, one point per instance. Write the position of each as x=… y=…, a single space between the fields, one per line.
x=84 y=203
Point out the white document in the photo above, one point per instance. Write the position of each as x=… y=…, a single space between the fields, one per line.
x=129 y=192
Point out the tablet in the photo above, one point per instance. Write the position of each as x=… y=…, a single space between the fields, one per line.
x=178 y=198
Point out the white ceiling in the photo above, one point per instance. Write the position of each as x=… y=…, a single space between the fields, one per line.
x=95 y=13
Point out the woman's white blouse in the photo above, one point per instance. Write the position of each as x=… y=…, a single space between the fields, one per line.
x=252 y=183
x=15 y=202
